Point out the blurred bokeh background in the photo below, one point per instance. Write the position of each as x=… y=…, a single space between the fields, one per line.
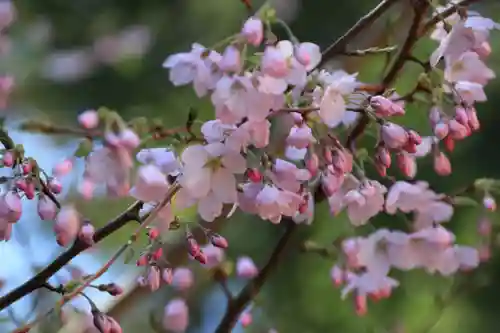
x=69 y=56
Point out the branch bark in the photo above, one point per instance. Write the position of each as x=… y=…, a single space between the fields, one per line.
x=339 y=46
x=238 y=304
x=39 y=280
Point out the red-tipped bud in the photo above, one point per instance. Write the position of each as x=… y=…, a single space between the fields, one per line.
x=218 y=241
x=8 y=159
x=157 y=254
x=254 y=175
x=442 y=164
x=153 y=233
x=143 y=260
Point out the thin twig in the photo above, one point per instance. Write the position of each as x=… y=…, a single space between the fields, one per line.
x=339 y=46
x=444 y=14
x=369 y=51
x=38 y=281
x=240 y=302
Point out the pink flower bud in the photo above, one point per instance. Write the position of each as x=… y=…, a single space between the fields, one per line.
x=253 y=31
x=312 y=164
x=193 y=247
x=29 y=192
x=449 y=143
x=461 y=116
x=360 y=305
x=246 y=268
x=89 y=119
x=63 y=168
x=457 y=130
x=143 y=260
x=489 y=203
x=176 y=316
x=11 y=207
x=231 y=60
x=442 y=164
x=274 y=63
x=214 y=255
x=384 y=107
x=246 y=319
x=86 y=233
x=46 y=208
x=167 y=275
x=484 y=252
x=484 y=50
x=441 y=130
x=384 y=157
x=308 y=55
x=55 y=186
x=67 y=225
x=473 y=122
x=87 y=189
x=157 y=254
x=153 y=278
x=8 y=159
x=153 y=233
x=218 y=240
x=21 y=184
x=394 y=136
x=484 y=227
x=27 y=167
x=327 y=155
x=113 y=289
x=407 y=165
x=182 y=278
x=337 y=275
x=201 y=258
x=254 y=175
x=435 y=115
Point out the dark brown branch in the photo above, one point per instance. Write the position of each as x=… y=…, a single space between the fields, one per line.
x=420 y=10
x=339 y=46
x=237 y=305
x=40 y=279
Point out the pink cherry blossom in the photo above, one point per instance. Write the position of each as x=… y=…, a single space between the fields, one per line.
x=67 y=225
x=176 y=316
x=246 y=268
x=253 y=31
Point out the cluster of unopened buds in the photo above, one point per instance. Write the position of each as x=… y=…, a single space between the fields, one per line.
x=275 y=144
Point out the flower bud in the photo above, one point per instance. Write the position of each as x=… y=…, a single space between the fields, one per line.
x=11 y=207
x=63 y=168
x=153 y=278
x=182 y=278
x=86 y=233
x=55 y=186
x=394 y=136
x=435 y=115
x=67 y=225
x=473 y=120
x=441 y=130
x=312 y=164
x=384 y=157
x=46 y=208
x=88 y=119
x=384 y=107
x=27 y=167
x=176 y=316
x=461 y=116
x=246 y=319
x=167 y=275
x=30 y=190
x=407 y=165
x=457 y=130
x=153 y=233
x=360 y=305
x=157 y=254
x=193 y=247
x=218 y=241
x=484 y=227
x=449 y=143
x=442 y=164
x=231 y=60
x=254 y=175
x=246 y=268
x=86 y=189
x=253 y=31
x=489 y=203
x=143 y=260
x=337 y=275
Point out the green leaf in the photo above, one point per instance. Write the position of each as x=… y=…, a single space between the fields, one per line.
x=84 y=148
x=465 y=201
x=484 y=183
x=139 y=125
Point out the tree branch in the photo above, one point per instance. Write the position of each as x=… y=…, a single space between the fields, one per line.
x=39 y=280
x=237 y=305
x=339 y=46
x=448 y=12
